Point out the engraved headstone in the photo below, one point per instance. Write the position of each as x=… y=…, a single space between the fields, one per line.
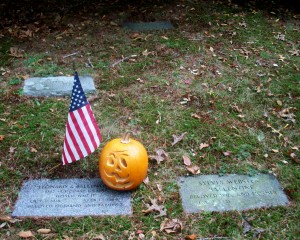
x=70 y=197
x=232 y=192
x=148 y=26
x=56 y=86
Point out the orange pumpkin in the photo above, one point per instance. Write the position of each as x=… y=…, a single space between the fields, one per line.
x=123 y=163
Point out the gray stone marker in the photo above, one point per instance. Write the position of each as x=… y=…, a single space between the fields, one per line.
x=148 y=26
x=232 y=192
x=56 y=86
x=70 y=197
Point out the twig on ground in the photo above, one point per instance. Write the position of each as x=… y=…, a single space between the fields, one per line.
x=72 y=54
x=90 y=63
x=122 y=60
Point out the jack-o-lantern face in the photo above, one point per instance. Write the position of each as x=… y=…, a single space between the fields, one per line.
x=116 y=169
x=123 y=165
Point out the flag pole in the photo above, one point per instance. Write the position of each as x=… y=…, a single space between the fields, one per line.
x=74 y=66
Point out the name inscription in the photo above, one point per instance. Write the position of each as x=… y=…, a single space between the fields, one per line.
x=231 y=192
x=70 y=197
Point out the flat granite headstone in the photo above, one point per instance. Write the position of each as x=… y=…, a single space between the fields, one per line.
x=56 y=86
x=232 y=192
x=148 y=26
x=70 y=197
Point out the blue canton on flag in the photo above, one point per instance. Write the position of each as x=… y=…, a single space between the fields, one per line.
x=82 y=135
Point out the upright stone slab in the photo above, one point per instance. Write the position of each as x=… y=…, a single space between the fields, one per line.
x=148 y=26
x=231 y=192
x=70 y=197
x=56 y=86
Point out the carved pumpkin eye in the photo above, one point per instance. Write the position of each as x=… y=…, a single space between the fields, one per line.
x=123 y=166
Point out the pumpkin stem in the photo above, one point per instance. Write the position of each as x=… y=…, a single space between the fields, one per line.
x=125 y=138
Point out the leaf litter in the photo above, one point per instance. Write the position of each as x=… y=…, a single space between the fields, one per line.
x=155 y=207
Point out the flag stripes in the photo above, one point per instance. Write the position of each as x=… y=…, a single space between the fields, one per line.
x=81 y=138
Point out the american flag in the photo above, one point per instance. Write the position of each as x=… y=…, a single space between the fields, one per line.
x=82 y=135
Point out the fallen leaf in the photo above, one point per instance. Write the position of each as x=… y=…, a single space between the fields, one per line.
x=154 y=207
x=178 y=138
x=275 y=150
x=193 y=169
x=246 y=226
x=146 y=180
x=32 y=149
x=287 y=115
x=294 y=157
x=16 y=52
x=44 y=231
x=236 y=108
x=160 y=156
x=159 y=187
x=203 y=145
x=8 y=219
x=227 y=153
x=191 y=237
x=2 y=137
x=12 y=149
x=186 y=160
x=2 y=225
x=171 y=226
x=26 y=234
x=99 y=237
x=279 y=102
x=195 y=115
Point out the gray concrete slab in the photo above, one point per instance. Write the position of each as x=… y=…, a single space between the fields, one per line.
x=148 y=26
x=56 y=86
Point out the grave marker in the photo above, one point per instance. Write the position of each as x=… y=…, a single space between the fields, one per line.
x=70 y=197
x=56 y=86
x=148 y=26
x=230 y=192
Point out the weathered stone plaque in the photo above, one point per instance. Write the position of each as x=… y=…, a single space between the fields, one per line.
x=231 y=192
x=148 y=26
x=56 y=86
x=70 y=197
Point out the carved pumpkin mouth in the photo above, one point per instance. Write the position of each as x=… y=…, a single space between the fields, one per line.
x=118 y=178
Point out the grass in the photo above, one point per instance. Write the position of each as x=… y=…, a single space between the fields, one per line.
x=223 y=75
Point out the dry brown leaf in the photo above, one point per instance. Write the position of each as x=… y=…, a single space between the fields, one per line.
x=12 y=149
x=227 y=153
x=99 y=237
x=154 y=207
x=191 y=237
x=32 y=149
x=203 y=145
x=287 y=115
x=193 y=169
x=195 y=115
x=44 y=231
x=294 y=157
x=8 y=219
x=16 y=52
x=2 y=137
x=146 y=180
x=171 y=226
x=159 y=187
x=178 y=138
x=236 y=108
x=26 y=234
x=160 y=156
x=186 y=160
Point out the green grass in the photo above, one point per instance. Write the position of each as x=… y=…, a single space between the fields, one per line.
x=221 y=76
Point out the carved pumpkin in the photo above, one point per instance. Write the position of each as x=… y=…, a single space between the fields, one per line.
x=123 y=163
